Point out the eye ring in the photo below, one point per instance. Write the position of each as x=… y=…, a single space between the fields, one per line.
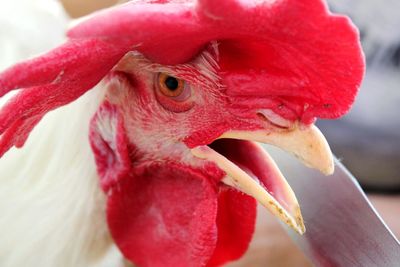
x=170 y=86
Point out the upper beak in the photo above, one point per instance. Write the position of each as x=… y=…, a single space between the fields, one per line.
x=308 y=144
x=250 y=169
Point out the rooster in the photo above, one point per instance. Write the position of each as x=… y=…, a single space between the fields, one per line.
x=155 y=147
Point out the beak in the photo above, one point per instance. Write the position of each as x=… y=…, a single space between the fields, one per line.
x=250 y=169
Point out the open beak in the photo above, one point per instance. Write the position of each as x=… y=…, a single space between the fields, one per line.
x=250 y=169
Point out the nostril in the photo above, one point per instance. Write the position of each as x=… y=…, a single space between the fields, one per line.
x=271 y=117
x=261 y=117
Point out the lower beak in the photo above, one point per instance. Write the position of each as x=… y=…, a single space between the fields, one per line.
x=250 y=169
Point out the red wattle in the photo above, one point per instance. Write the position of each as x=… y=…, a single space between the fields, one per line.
x=236 y=222
x=164 y=216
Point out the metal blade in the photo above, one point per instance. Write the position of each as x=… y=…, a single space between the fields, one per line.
x=343 y=229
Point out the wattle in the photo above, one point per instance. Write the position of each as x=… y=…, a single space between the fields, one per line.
x=172 y=215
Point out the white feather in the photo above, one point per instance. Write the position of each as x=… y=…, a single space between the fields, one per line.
x=29 y=27
x=51 y=207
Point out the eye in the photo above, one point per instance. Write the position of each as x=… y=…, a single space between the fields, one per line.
x=172 y=93
x=170 y=86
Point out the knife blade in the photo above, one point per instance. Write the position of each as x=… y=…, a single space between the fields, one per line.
x=343 y=228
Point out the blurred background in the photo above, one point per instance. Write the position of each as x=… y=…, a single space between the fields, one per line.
x=367 y=140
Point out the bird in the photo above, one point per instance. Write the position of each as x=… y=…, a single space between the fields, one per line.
x=139 y=136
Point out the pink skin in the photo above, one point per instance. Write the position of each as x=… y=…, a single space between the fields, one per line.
x=208 y=104
x=133 y=97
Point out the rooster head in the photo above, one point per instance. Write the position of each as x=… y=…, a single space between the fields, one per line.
x=191 y=87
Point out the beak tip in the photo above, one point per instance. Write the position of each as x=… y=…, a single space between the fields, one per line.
x=330 y=170
x=301 y=228
x=329 y=167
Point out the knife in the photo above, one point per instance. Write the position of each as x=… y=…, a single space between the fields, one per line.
x=343 y=228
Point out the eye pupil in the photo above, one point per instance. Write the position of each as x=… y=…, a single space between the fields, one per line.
x=170 y=86
x=171 y=83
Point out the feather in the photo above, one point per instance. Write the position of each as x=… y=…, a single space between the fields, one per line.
x=52 y=207
x=51 y=204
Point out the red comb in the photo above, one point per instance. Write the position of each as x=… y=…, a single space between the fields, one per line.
x=310 y=54
x=51 y=81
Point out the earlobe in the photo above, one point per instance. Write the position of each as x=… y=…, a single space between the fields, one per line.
x=110 y=145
